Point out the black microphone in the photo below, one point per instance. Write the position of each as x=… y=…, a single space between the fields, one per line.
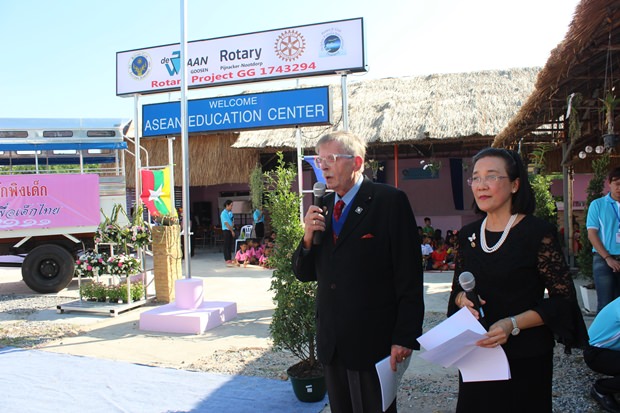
x=319 y=191
x=468 y=284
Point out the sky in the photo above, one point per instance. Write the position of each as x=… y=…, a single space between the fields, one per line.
x=59 y=57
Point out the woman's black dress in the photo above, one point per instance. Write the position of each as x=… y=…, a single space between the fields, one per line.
x=512 y=280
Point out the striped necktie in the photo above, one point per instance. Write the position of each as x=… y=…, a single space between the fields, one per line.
x=338 y=209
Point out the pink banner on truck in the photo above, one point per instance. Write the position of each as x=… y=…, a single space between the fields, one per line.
x=49 y=201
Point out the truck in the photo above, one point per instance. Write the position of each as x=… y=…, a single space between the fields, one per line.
x=59 y=178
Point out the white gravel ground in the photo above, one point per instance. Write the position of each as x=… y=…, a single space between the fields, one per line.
x=435 y=393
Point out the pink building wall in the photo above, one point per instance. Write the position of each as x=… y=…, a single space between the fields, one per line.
x=428 y=197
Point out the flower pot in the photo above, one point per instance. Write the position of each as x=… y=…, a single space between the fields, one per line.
x=309 y=390
x=610 y=141
x=588 y=295
x=309 y=387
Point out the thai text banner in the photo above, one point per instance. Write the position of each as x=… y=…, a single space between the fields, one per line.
x=318 y=49
x=49 y=201
x=297 y=107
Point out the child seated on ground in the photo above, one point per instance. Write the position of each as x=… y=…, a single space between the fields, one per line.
x=242 y=256
x=427 y=250
x=263 y=261
x=439 y=257
x=254 y=251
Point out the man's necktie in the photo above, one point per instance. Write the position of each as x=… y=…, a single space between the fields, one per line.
x=338 y=209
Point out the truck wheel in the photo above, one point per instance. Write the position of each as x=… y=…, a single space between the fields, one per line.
x=48 y=268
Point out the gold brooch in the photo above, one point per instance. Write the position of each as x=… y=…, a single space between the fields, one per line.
x=472 y=239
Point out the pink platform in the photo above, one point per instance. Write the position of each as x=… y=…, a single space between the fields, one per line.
x=189 y=313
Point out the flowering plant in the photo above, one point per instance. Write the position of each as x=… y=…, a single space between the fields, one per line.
x=91 y=264
x=123 y=264
x=139 y=235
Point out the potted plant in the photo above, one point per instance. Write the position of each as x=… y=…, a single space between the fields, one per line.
x=87 y=291
x=374 y=166
x=138 y=233
x=293 y=324
x=595 y=189
x=546 y=207
x=115 y=293
x=99 y=291
x=136 y=291
x=91 y=264
x=610 y=139
x=123 y=265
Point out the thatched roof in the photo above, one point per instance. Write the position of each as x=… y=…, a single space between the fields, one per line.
x=423 y=109
x=212 y=160
x=577 y=64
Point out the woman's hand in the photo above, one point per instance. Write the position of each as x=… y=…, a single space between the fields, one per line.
x=497 y=335
x=462 y=301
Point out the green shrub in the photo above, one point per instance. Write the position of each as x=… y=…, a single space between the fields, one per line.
x=293 y=324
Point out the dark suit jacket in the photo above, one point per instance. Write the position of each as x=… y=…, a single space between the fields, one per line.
x=370 y=282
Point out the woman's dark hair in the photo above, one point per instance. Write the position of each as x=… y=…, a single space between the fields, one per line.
x=523 y=200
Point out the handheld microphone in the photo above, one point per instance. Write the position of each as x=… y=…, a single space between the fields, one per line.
x=319 y=191
x=468 y=284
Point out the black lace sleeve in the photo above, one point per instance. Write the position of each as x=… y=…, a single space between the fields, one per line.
x=560 y=311
x=456 y=287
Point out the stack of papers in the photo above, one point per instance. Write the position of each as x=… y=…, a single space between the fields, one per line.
x=453 y=343
x=389 y=380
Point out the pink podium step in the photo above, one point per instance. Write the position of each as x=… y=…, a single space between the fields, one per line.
x=189 y=313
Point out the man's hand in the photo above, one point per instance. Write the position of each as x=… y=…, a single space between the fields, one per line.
x=313 y=221
x=613 y=263
x=398 y=355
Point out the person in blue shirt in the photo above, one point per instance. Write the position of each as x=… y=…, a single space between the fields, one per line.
x=259 y=223
x=228 y=230
x=603 y=355
x=603 y=224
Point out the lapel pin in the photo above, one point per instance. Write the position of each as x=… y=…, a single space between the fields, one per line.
x=472 y=239
x=358 y=210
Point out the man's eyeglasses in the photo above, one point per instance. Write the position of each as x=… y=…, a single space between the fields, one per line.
x=331 y=159
x=489 y=179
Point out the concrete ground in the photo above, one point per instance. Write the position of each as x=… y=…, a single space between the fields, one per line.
x=119 y=338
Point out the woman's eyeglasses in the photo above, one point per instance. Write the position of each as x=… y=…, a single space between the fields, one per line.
x=489 y=180
x=331 y=159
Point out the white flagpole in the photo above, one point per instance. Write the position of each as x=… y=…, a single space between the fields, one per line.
x=185 y=144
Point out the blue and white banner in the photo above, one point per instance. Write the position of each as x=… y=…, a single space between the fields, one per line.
x=297 y=107
x=311 y=50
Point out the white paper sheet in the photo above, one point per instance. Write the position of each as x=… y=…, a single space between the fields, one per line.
x=389 y=379
x=452 y=343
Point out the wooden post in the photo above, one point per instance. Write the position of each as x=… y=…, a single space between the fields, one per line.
x=167 y=258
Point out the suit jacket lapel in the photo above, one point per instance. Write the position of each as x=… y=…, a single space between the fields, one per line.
x=357 y=211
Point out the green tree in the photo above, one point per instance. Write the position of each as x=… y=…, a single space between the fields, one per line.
x=595 y=189
x=293 y=324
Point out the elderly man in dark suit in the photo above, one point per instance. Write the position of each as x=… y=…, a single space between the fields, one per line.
x=369 y=270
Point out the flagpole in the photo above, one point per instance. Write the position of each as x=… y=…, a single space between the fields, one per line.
x=185 y=144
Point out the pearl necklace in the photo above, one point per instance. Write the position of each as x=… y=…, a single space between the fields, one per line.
x=483 y=238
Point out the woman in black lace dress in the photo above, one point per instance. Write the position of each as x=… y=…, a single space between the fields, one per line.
x=514 y=258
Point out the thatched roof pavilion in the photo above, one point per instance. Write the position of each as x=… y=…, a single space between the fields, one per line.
x=212 y=160
x=585 y=62
x=443 y=114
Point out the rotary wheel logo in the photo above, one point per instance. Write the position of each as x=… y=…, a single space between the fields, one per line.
x=290 y=45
